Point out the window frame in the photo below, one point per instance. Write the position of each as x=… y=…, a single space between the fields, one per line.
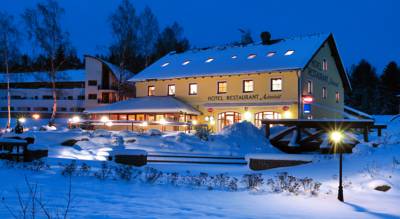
x=168 y=86
x=148 y=90
x=220 y=82
x=325 y=65
x=190 y=89
x=337 y=97
x=310 y=87
x=244 y=86
x=95 y=97
x=271 y=84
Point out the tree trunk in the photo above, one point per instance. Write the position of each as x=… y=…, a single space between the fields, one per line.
x=54 y=92
x=8 y=92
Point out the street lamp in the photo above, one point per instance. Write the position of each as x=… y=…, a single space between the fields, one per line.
x=337 y=138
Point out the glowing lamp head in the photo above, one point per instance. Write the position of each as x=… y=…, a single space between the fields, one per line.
x=163 y=121
x=287 y=114
x=104 y=119
x=144 y=124
x=75 y=119
x=109 y=124
x=22 y=120
x=336 y=137
x=194 y=122
x=247 y=116
x=36 y=116
x=212 y=122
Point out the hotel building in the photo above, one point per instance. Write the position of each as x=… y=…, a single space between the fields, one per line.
x=300 y=77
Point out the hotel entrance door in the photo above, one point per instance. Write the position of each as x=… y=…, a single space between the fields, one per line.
x=227 y=118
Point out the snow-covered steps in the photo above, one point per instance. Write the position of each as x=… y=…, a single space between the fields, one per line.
x=195 y=159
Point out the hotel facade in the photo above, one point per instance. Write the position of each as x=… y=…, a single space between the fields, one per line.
x=301 y=77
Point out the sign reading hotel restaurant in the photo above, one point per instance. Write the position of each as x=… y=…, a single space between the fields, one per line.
x=244 y=97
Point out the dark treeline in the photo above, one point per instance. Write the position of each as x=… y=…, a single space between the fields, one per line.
x=373 y=93
x=138 y=42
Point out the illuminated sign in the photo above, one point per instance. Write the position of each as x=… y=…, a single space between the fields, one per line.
x=308 y=99
x=307 y=108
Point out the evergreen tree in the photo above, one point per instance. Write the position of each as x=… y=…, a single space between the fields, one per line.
x=245 y=37
x=365 y=93
x=171 y=39
x=390 y=87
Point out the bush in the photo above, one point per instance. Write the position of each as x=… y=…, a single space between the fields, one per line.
x=37 y=165
x=152 y=175
x=84 y=170
x=203 y=132
x=104 y=172
x=284 y=182
x=69 y=169
x=124 y=172
x=253 y=181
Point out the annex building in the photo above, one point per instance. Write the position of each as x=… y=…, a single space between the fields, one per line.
x=300 y=77
x=77 y=90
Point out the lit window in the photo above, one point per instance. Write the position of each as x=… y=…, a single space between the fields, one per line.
x=209 y=60
x=337 y=97
x=248 y=86
x=151 y=90
x=165 y=64
x=186 y=62
x=192 y=89
x=325 y=65
x=324 y=93
x=222 y=87
x=251 y=56
x=234 y=57
x=270 y=54
x=276 y=84
x=171 y=90
x=289 y=52
x=309 y=87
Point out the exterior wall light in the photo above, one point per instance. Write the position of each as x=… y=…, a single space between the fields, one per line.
x=247 y=116
x=75 y=119
x=104 y=119
x=194 y=122
x=163 y=121
x=109 y=124
x=22 y=120
x=287 y=115
x=36 y=116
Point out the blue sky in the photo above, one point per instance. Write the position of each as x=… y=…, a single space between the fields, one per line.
x=367 y=29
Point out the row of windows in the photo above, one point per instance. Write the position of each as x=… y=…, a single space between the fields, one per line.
x=43 y=109
x=45 y=97
x=222 y=87
x=324 y=92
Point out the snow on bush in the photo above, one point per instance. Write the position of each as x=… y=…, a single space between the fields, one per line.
x=283 y=182
x=154 y=132
x=101 y=133
x=48 y=128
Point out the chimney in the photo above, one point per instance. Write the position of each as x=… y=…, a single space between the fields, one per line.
x=265 y=38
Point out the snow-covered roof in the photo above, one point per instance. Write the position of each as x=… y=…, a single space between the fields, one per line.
x=117 y=71
x=75 y=75
x=165 y=104
x=353 y=113
x=288 y=54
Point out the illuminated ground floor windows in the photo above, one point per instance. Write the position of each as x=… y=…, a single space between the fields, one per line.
x=265 y=115
x=228 y=118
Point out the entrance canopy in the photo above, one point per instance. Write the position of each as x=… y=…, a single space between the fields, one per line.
x=166 y=104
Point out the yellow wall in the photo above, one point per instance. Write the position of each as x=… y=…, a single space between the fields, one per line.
x=207 y=96
x=324 y=108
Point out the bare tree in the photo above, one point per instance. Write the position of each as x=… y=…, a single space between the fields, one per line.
x=44 y=28
x=124 y=26
x=8 y=48
x=148 y=34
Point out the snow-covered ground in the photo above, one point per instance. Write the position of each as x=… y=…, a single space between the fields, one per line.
x=205 y=191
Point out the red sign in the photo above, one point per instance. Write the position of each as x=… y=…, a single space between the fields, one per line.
x=210 y=110
x=285 y=108
x=308 y=99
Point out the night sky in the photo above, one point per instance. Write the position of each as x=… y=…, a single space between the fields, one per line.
x=367 y=29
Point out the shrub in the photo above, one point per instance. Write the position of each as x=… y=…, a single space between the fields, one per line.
x=253 y=181
x=152 y=175
x=69 y=169
x=37 y=165
x=283 y=182
x=84 y=170
x=104 y=172
x=203 y=132
x=124 y=172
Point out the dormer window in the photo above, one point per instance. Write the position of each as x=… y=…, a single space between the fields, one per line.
x=209 y=60
x=186 y=62
x=251 y=56
x=325 y=65
x=289 y=52
x=270 y=54
x=165 y=64
x=234 y=57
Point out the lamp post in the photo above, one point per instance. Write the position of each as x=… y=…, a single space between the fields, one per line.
x=337 y=138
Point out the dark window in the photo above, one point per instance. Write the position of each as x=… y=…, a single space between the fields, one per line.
x=92 y=96
x=222 y=87
x=276 y=84
x=47 y=97
x=81 y=97
x=92 y=83
x=324 y=93
x=192 y=89
x=70 y=97
x=248 y=86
